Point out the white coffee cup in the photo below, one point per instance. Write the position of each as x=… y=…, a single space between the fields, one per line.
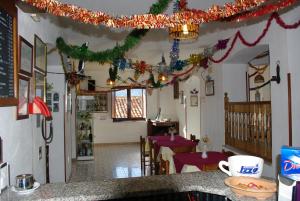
x=243 y=165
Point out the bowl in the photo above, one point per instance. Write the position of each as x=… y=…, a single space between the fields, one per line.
x=260 y=189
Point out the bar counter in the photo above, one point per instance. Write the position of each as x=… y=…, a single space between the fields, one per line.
x=207 y=182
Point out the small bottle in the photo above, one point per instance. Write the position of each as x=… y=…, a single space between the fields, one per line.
x=91 y=135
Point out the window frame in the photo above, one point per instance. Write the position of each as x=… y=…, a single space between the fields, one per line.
x=129 y=118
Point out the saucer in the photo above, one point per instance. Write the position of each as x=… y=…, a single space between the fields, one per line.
x=36 y=185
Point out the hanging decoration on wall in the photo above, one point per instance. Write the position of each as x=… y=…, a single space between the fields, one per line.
x=238 y=35
x=150 y=20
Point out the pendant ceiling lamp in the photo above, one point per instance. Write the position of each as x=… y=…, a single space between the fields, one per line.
x=184 y=31
x=180 y=31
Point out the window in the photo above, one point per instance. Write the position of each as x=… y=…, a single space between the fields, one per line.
x=129 y=104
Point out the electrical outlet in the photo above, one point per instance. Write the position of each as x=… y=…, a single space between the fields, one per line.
x=40 y=153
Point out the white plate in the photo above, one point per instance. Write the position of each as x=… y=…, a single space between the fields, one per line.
x=36 y=185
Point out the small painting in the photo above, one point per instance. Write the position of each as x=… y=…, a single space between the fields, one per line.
x=25 y=57
x=209 y=88
x=194 y=100
x=23 y=96
x=55 y=107
x=181 y=95
x=40 y=54
x=39 y=84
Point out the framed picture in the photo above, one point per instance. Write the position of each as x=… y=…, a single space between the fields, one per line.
x=40 y=84
x=194 y=100
x=25 y=57
x=40 y=55
x=181 y=95
x=23 y=95
x=176 y=90
x=209 y=88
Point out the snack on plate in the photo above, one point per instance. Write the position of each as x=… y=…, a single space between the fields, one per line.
x=251 y=185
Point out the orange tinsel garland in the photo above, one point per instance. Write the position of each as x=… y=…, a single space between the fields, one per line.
x=145 y=20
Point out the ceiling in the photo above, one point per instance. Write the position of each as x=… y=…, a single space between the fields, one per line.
x=155 y=43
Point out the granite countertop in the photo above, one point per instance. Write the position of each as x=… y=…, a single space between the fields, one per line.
x=209 y=182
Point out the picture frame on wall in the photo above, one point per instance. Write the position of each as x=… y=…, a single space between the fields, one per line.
x=39 y=85
x=176 y=90
x=40 y=55
x=25 y=57
x=23 y=97
x=209 y=88
x=194 y=100
x=181 y=96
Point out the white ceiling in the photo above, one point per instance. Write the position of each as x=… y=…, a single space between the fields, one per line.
x=155 y=43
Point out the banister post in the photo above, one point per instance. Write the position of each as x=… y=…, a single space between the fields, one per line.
x=226 y=100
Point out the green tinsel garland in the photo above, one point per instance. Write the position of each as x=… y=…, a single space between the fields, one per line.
x=109 y=55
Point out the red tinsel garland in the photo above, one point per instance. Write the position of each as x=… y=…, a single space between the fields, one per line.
x=264 y=10
x=145 y=20
x=238 y=35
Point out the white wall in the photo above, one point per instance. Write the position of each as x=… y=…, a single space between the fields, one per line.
x=293 y=44
x=57 y=147
x=283 y=47
x=107 y=131
x=234 y=81
x=21 y=139
x=192 y=123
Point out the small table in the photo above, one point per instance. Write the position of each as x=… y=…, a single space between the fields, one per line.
x=213 y=158
x=163 y=146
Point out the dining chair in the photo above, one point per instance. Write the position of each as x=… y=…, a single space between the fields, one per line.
x=164 y=166
x=145 y=156
x=210 y=167
x=193 y=138
x=152 y=157
x=228 y=153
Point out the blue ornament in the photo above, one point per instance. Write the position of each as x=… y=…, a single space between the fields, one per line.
x=122 y=64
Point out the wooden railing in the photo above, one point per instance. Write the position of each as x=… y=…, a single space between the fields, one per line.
x=248 y=127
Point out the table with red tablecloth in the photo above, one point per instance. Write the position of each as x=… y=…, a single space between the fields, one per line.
x=179 y=144
x=196 y=159
x=165 y=147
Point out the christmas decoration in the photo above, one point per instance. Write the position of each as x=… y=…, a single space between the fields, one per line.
x=146 y=21
x=239 y=35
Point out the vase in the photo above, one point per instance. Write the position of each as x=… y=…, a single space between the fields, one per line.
x=172 y=137
x=204 y=151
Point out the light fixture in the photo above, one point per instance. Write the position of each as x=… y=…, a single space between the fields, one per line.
x=162 y=77
x=110 y=82
x=184 y=31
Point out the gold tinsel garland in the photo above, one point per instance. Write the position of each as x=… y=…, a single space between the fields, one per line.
x=145 y=21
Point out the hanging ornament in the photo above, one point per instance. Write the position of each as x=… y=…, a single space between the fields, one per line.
x=195 y=59
x=136 y=75
x=259 y=79
x=222 y=44
x=122 y=63
x=110 y=82
x=174 y=53
x=163 y=77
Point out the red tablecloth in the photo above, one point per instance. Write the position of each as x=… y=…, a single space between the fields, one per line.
x=181 y=159
x=165 y=138
x=177 y=143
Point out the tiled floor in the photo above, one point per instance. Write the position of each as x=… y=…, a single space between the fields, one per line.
x=111 y=161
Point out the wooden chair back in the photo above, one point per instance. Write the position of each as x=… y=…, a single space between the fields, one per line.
x=164 y=166
x=210 y=167
x=228 y=153
x=193 y=138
